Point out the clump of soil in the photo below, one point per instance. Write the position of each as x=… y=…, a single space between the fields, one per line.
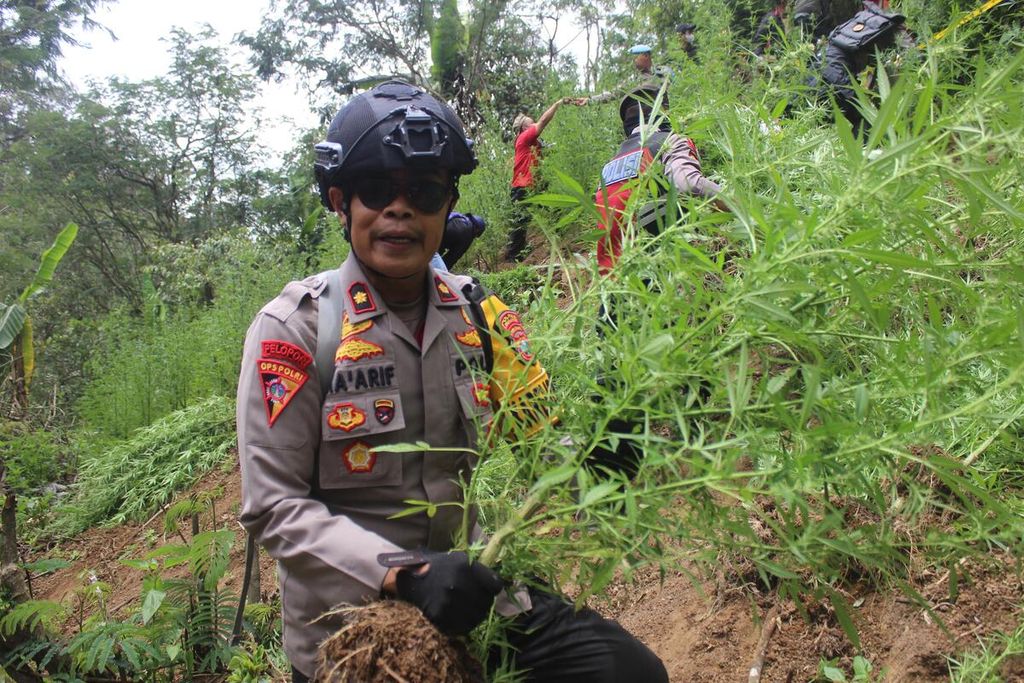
x=389 y=641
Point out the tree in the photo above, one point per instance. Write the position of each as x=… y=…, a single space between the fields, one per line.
x=135 y=165
x=16 y=336
x=342 y=46
x=32 y=35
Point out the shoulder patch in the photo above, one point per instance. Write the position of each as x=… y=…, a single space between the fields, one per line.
x=444 y=292
x=290 y=353
x=360 y=298
x=280 y=382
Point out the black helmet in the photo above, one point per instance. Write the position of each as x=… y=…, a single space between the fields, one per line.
x=392 y=126
x=643 y=98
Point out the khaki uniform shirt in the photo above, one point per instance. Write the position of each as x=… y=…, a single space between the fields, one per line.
x=314 y=494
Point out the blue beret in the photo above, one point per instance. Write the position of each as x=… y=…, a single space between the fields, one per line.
x=639 y=49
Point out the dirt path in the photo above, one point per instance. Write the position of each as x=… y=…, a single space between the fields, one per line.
x=703 y=632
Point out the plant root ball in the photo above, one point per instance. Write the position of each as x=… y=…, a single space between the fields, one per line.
x=390 y=641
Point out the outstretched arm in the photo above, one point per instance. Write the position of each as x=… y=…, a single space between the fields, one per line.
x=546 y=117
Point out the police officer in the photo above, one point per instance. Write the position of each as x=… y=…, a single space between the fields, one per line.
x=647 y=76
x=345 y=361
x=687 y=40
x=648 y=138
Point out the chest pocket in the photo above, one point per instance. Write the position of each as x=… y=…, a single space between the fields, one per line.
x=469 y=374
x=351 y=425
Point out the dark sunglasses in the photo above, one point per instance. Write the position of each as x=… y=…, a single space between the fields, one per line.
x=377 y=192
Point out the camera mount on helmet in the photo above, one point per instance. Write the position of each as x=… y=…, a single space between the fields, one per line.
x=371 y=133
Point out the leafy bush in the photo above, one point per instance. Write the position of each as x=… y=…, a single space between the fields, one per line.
x=130 y=480
x=32 y=458
x=826 y=382
x=187 y=344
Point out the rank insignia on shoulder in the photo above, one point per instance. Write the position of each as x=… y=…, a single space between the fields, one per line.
x=345 y=417
x=362 y=300
x=510 y=322
x=358 y=458
x=469 y=338
x=355 y=348
x=384 y=410
x=444 y=292
x=290 y=353
x=348 y=329
x=280 y=383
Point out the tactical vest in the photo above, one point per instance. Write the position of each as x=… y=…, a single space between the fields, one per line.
x=613 y=195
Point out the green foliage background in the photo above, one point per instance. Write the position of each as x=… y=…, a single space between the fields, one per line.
x=826 y=382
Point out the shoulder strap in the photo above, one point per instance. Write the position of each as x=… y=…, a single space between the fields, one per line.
x=328 y=328
x=476 y=294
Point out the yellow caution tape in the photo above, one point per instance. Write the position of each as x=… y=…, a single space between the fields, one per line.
x=974 y=14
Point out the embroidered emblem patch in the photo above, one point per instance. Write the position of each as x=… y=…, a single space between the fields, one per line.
x=509 y=321
x=482 y=394
x=355 y=348
x=444 y=292
x=384 y=410
x=362 y=300
x=349 y=329
x=465 y=317
x=357 y=458
x=290 y=353
x=280 y=384
x=469 y=338
x=345 y=417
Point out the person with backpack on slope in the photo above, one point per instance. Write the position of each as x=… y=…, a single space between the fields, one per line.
x=387 y=350
x=649 y=138
x=851 y=47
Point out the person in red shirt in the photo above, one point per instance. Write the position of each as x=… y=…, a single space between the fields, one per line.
x=527 y=155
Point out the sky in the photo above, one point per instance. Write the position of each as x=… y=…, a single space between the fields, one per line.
x=138 y=53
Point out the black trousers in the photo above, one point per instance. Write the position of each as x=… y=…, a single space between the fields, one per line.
x=520 y=221
x=553 y=643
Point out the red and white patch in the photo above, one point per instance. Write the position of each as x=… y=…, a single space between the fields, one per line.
x=280 y=383
x=286 y=351
x=346 y=417
x=355 y=348
x=358 y=458
x=510 y=322
x=482 y=394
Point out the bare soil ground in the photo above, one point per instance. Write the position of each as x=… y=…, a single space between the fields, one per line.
x=704 y=631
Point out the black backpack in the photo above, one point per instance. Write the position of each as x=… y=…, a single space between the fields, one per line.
x=868 y=30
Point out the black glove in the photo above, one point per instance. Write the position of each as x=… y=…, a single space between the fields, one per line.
x=454 y=594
